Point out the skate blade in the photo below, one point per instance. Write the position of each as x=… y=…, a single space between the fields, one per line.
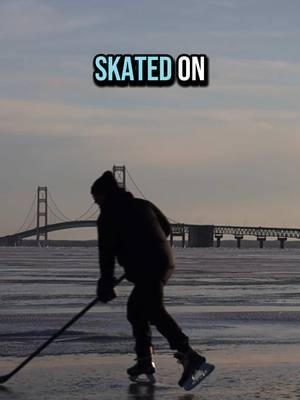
x=144 y=379
x=198 y=376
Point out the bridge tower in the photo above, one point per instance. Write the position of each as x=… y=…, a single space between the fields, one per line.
x=42 y=212
x=119 y=172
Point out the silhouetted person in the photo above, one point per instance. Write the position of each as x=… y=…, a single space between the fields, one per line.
x=135 y=231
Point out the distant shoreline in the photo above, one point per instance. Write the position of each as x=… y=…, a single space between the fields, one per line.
x=247 y=244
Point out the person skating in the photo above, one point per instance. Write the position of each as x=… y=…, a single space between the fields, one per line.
x=134 y=231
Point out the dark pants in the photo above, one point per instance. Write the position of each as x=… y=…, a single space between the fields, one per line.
x=146 y=306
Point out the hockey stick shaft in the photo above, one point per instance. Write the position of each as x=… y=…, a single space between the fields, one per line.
x=6 y=377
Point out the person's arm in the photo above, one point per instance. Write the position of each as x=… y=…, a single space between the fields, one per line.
x=106 y=244
x=106 y=256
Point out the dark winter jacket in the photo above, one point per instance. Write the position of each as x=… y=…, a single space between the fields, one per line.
x=134 y=231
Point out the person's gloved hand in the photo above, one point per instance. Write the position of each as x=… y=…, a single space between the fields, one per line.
x=105 y=290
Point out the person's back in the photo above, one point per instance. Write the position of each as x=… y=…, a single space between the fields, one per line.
x=138 y=233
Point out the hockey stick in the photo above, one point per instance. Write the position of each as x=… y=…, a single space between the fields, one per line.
x=5 y=378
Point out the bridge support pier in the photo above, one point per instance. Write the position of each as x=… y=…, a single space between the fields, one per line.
x=218 y=236
x=282 y=241
x=261 y=240
x=177 y=231
x=182 y=239
x=201 y=236
x=238 y=238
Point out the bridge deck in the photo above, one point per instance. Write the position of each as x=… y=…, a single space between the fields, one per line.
x=177 y=229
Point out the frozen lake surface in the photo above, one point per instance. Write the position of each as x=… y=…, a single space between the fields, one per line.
x=240 y=307
x=221 y=297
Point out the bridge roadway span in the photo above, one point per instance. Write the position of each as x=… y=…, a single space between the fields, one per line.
x=49 y=228
x=259 y=232
x=177 y=229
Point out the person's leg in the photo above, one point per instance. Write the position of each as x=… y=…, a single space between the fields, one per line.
x=142 y=333
x=166 y=325
x=158 y=316
x=137 y=317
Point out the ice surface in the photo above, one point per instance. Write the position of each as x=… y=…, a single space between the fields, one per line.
x=229 y=301
x=219 y=296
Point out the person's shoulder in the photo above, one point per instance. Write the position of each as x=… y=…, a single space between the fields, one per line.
x=143 y=202
x=145 y=206
x=137 y=200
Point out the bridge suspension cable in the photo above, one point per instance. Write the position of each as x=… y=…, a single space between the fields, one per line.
x=32 y=222
x=86 y=212
x=135 y=185
x=142 y=194
x=94 y=214
x=57 y=213
x=53 y=213
x=64 y=217
x=28 y=215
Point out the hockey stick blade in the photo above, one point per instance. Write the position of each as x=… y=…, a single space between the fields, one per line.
x=4 y=378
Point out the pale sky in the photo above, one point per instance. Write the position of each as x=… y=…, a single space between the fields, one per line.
x=225 y=154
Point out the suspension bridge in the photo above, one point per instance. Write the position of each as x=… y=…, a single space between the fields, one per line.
x=45 y=216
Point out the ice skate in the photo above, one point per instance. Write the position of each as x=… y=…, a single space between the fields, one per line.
x=195 y=369
x=143 y=371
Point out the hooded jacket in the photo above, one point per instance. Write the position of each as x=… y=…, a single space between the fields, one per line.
x=133 y=231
